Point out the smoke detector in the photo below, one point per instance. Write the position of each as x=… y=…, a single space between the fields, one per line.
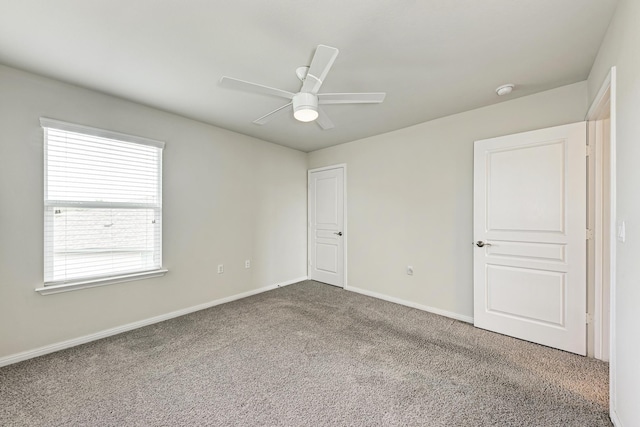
x=505 y=89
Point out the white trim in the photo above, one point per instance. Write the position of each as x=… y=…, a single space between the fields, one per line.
x=612 y=261
x=406 y=303
x=345 y=221
x=101 y=205
x=610 y=85
x=40 y=351
x=54 y=288
x=72 y=127
x=326 y=168
x=283 y=284
x=600 y=197
x=342 y=166
x=615 y=419
x=596 y=105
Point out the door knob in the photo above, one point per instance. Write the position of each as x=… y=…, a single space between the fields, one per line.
x=481 y=244
x=339 y=233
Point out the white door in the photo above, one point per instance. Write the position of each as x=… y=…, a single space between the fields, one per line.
x=326 y=225
x=530 y=236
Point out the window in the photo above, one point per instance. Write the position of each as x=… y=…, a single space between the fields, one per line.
x=102 y=207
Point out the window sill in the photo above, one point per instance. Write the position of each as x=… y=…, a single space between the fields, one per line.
x=92 y=283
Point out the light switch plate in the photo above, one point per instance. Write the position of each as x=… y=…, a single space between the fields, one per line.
x=622 y=232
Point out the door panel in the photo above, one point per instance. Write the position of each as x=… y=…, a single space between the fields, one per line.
x=327 y=193
x=326 y=226
x=327 y=257
x=526 y=293
x=529 y=251
x=533 y=175
x=530 y=210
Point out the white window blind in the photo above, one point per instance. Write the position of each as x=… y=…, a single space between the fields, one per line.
x=103 y=203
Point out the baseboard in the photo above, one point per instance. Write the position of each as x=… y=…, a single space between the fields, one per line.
x=412 y=304
x=287 y=283
x=614 y=419
x=40 y=351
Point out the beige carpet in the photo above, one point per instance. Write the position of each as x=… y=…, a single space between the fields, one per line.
x=306 y=355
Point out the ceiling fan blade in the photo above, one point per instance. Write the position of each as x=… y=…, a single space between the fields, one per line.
x=232 y=83
x=275 y=113
x=351 y=98
x=320 y=65
x=323 y=120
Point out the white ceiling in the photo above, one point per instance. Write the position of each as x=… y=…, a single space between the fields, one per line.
x=432 y=57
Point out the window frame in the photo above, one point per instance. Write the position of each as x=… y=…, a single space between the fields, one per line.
x=88 y=282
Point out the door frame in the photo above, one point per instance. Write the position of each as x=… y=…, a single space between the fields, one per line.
x=345 y=232
x=606 y=98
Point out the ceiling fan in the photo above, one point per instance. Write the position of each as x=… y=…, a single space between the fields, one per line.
x=306 y=103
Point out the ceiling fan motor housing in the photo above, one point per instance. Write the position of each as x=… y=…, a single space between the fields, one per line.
x=305 y=106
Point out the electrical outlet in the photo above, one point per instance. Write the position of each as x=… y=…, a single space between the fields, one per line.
x=220 y=268
x=247 y=263
x=409 y=270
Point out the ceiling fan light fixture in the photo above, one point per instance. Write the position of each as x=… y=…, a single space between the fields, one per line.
x=305 y=115
x=305 y=107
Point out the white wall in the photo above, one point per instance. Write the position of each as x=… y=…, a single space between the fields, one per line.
x=621 y=48
x=227 y=197
x=410 y=197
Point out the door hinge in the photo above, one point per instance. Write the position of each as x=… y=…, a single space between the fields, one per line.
x=589 y=318
x=589 y=234
x=589 y=150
